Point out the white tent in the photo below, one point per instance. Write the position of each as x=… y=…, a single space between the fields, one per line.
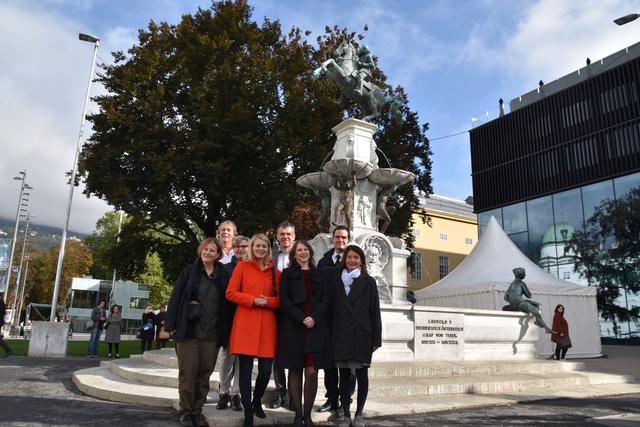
x=482 y=279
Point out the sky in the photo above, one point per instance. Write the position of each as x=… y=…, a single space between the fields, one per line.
x=455 y=59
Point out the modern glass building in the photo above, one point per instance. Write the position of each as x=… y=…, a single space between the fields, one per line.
x=563 y=149
x=85 y=293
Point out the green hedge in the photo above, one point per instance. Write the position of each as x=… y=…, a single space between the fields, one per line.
x=79 y=348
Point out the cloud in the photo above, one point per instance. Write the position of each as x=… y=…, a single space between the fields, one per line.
x=44 y=74
x=551 y=39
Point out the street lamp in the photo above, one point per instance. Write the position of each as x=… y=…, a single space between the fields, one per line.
x=16 y=316
x=56 y=285
x=626 y=19
x=22 y=176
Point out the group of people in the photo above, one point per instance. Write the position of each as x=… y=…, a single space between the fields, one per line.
x=111 y=323
x=279 y=308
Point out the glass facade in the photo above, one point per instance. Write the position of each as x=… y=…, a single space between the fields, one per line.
x=5 y=249
x=541 y=227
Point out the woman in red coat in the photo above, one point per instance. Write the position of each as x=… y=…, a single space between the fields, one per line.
x=560 y=332
x=254 y=287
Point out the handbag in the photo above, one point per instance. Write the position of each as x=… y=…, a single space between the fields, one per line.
x=88 y=325
x=163 y=335
x=564 y=342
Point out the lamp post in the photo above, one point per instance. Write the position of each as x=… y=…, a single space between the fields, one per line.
x=16 y=315
x=56 y=285
x=627 y=18
x=22 y=176
x=112 y=296
x=24 y=284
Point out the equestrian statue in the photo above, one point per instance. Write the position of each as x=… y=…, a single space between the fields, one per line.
x=351 y=70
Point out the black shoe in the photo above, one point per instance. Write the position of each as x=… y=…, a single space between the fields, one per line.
x=308 y=422
x=248 y=417
x=185 y=419
x=236 y=404
x=257 y=409
x=329 y=405
x=223 y=401
x=199 y=420
x=297 y=421
x=277 y=402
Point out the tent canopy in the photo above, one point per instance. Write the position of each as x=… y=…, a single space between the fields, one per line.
x=489 y=267
x=481 y=280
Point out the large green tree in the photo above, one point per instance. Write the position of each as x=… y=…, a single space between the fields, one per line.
x=608 y=254
x=215 y=118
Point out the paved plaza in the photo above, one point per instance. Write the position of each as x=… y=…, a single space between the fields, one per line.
x=39 y=392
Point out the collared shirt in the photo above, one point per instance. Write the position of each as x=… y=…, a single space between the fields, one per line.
x=283 y=261
x=226 y=257
x=336 y=257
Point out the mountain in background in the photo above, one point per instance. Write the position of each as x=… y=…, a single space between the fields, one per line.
x=41 y=237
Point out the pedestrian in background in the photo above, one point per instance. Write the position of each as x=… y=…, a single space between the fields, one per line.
x=147 y=330
x=193 y=319
x=254 y=287
x=3 y=344
x=302 y=334
x=159 y=321
x=98 y=318
x=357 y=328
x=114 y=329
x=230 y=364
x=560 y=333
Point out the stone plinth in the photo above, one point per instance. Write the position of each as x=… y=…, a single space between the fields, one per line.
x=467 y=334
x=48 y=339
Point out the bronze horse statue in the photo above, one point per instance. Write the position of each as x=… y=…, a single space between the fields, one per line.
x=343 y=72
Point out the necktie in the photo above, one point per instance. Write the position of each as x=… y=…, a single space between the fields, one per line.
x=337 y=259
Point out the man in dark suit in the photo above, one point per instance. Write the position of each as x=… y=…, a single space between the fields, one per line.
x=286 y=235
x=4 y=345
x=332 y=258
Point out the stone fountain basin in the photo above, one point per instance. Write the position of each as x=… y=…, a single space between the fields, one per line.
x=390 y=177
x=347 y=168
x=316 y=181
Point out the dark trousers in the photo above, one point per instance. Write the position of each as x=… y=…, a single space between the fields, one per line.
x=3 y=344
x=264 y=372
x=280 y=379
x=560 y=350
x=146 y=340
x=331 y=384
x=111 y=345
x=196 y=360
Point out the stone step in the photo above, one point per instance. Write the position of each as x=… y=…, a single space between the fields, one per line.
x=102 y=383
x=485 y=384
x=167 y=357
x=150 y=373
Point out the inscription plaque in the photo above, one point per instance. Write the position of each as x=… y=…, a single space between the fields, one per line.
x=439 y=336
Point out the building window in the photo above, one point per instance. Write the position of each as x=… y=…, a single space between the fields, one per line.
x=442 y=236
x=443 y=262
x=566 y=275
x=468 y=241
x=416 y=267
x=83 y=299
x=139 y=303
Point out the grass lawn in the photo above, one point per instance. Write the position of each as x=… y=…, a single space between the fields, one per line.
x=79 y=348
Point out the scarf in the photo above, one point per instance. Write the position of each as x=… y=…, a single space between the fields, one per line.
x=348 y=278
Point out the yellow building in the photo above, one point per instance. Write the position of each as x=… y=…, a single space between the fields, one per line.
x=440 y=248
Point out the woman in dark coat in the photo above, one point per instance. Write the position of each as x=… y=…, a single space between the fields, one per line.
x=147 y=330
x=114 y=328
x=560 y=332
x=356 y=327
x=302 y=332
x=193 y=320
